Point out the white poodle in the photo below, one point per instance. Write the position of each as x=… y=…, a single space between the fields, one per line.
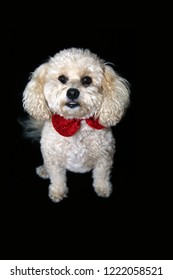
x=77 y=97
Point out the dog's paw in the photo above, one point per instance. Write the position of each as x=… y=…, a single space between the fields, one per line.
x=103 y=190
x=42 y=172
x=57 y=194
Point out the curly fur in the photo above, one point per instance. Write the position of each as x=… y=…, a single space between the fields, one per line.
x=105 y=98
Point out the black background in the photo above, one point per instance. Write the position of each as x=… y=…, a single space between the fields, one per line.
x=82 y=226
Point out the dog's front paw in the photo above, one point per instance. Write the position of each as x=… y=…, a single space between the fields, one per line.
x=103 y=190
x=42 y=172
x=57 y=194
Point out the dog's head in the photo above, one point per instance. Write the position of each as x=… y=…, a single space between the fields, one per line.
x=76 y=83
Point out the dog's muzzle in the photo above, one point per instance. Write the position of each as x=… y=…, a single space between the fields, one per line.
x=72 y=95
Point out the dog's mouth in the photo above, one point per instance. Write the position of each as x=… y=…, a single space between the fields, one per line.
x=72 y=104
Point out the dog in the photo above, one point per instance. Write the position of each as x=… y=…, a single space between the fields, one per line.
x=77 y=97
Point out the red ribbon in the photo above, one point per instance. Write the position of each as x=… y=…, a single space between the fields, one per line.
x=68 y=127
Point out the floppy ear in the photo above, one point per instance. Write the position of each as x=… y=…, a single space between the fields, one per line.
x=115 y=97
x=33 y=98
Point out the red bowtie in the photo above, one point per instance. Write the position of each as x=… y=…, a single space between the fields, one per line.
x=68 y=127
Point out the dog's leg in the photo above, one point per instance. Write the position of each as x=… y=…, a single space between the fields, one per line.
x=101 y=177
x=57 y=189
x=42 y=172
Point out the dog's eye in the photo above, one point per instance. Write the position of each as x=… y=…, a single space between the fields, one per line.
x=63 y=79
x=86 y=81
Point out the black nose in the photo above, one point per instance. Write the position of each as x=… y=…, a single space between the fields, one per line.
x=73 y=93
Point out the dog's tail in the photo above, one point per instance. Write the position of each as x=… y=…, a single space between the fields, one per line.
x=31 y=128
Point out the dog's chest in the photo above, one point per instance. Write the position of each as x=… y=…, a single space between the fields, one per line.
x=80 y=152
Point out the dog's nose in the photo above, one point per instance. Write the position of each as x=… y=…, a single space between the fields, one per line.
x=73 y=93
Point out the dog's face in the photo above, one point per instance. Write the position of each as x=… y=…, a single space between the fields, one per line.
x=76 y=83
x=73 y=87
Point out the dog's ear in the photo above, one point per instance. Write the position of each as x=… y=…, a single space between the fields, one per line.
x=115 y=97
x=33 y=98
